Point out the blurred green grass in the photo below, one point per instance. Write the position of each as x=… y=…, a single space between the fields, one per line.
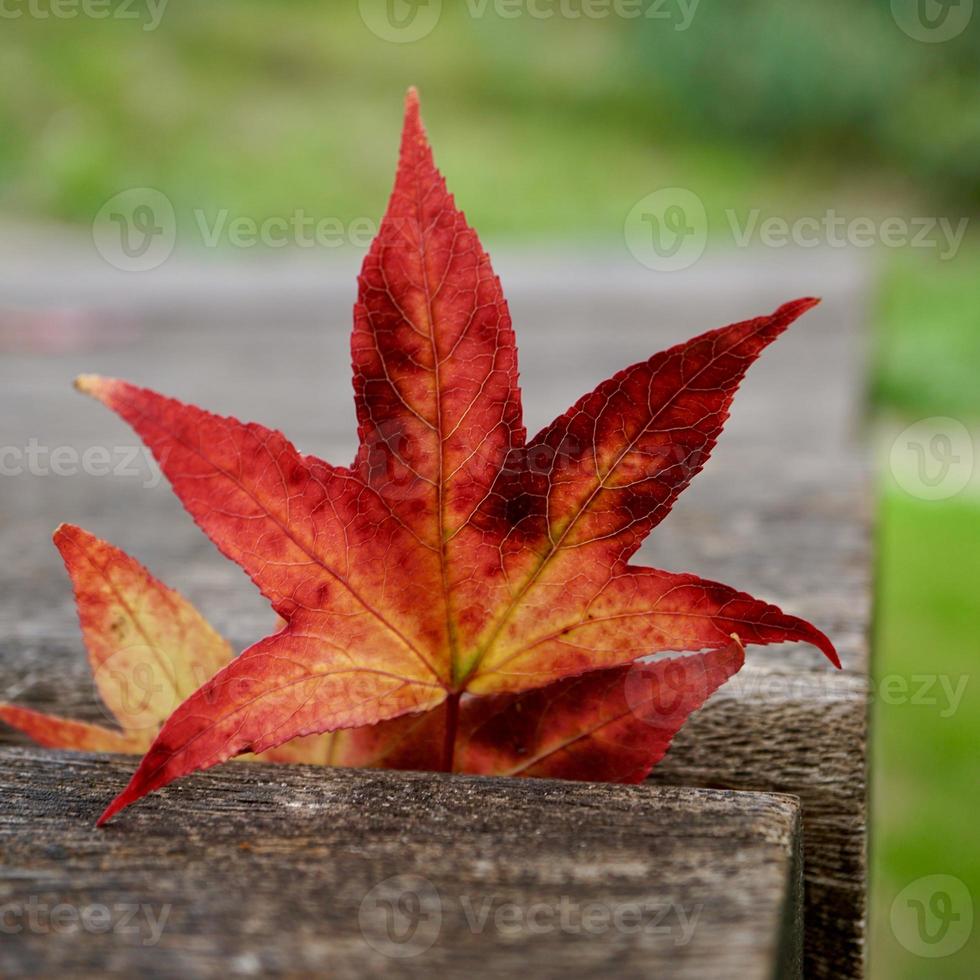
x=217 y=110
x=924 y=766
x=926 y=791
x=558 y=125
x=927 y=355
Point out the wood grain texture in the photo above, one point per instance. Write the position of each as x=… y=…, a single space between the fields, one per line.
x=780 y=510
x=264 y=870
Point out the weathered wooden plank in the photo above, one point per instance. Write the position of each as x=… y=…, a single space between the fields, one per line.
x=778 y=511
x=348 y=873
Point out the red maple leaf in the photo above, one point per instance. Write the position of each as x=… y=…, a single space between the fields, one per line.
x=466 y=587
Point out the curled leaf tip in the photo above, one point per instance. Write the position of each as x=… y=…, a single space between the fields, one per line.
x=736 y=650
x=89 y=384
x=62 y=530
x=822 y=642
x=798 y=307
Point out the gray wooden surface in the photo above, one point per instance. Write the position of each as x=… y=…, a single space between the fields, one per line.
x=264 y=870
x=780 y=509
